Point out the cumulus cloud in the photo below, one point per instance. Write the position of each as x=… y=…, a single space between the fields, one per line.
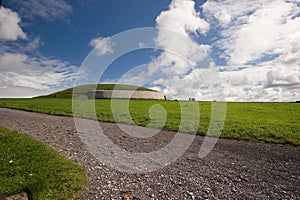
x=254 y=30
x=182 y=18
x=260 y=42
x=175 y=27
x=265 y=82
x=174 y=71
x=283 y=77
x=49 y=10
x=9 y=25
x=102 y=45
x=291 y=48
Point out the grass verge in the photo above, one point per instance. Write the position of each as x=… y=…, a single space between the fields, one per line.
x=27 y=165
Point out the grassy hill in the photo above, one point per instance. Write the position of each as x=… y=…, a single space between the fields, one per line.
x=83 y=89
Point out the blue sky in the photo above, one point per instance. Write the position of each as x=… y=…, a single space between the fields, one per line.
x=226 y=50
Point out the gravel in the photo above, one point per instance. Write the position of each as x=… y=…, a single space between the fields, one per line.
x=232 y=170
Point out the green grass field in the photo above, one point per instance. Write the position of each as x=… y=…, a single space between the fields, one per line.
x=266 y=122
x=27 y=165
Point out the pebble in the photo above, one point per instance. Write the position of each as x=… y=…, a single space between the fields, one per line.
x=191 y=194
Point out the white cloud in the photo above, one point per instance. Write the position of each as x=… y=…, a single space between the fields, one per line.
x=255 y=29
x=20 y=92
x=196 y=83
x=103 y=46
x=175 y=27
x=9 y=25
x=33 y=44
x=260 y=40
x=30 y=46
x=23 y=73
x=174 y=71
x=229 y=12
x=291 y=44
x=169 y=64
x=262 y=83
x=49 y=10
x=12 y=62
x=182 y=18
x=284 y=77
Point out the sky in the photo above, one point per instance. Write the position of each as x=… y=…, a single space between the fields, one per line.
x=209 y=50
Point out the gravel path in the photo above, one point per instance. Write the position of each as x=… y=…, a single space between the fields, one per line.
x=234 y=169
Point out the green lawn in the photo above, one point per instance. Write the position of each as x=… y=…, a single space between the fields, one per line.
x=267 y=122
x=27 y=165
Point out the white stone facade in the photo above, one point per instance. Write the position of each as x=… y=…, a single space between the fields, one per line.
x=125 y=94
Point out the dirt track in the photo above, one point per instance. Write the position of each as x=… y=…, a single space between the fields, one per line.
x=234 y=169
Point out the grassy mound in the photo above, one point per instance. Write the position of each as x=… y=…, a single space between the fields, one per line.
x=30 y=166
x=83 y=89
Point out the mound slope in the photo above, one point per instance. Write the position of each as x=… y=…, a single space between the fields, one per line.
x=84 y=89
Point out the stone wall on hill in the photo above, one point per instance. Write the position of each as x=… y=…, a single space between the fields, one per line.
x=125 y=94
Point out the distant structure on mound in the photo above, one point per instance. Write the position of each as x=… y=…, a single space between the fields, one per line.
x=125 y=94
